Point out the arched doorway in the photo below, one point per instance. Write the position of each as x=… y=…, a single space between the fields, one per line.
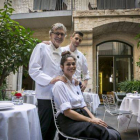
x=114 y=65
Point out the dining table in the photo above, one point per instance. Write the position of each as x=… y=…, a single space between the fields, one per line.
x=92 y=100
x=130 y=103
x=20 y=122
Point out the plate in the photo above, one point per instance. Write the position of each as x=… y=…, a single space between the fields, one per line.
x=7 y=107
x=134 y=97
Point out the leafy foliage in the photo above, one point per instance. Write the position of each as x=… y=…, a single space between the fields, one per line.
x=130 y=86
x=138 y=44
x=3 y=87
x=16 y=43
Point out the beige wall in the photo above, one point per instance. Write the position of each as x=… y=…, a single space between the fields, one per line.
x=43 y=34
x=125 y=37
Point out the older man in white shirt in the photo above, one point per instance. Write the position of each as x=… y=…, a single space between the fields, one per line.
x=44 y=68
x=82 y=72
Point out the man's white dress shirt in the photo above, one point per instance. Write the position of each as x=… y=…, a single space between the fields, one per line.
x=81 y=64
x=44 y=65
x=67 y=96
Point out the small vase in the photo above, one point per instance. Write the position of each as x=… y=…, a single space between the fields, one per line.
x=17 y=100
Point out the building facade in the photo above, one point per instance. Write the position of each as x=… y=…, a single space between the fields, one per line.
x=109 y=42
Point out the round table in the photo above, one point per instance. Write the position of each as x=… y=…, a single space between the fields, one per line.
x=20 y=123
x=130 y=103
x=92 y=99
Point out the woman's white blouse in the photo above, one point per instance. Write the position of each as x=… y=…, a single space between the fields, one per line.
x=67 y=96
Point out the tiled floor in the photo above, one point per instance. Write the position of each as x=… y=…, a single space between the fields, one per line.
x=131 y=133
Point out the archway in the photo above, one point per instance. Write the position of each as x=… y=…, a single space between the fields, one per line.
x=114 y=65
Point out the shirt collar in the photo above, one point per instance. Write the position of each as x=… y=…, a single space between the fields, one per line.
x=75 y=52
x=69 y=82
x=55 y=50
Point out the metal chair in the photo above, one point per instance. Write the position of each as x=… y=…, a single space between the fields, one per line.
x=58 y=127
x=117 y=98
x=111 y=108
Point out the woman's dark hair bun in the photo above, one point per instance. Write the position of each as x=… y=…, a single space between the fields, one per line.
x=65 y=53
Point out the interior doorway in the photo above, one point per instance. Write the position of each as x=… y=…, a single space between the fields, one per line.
x=105 y=74
x=114 y=65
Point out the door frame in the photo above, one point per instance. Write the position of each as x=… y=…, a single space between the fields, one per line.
x=114 y=64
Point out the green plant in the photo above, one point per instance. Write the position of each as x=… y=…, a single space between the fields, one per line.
x=2 y=93
x=138 y=44
x=129 y=86
x=16 y=43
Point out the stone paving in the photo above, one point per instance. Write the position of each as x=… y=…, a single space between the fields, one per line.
x=131 y=133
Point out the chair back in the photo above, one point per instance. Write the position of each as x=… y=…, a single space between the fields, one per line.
x=116 y=96
x=57 y=124
x=109 y=102
x=58 y=127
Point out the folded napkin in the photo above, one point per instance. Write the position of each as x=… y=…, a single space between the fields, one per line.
x=6 y=105
x=129 y=94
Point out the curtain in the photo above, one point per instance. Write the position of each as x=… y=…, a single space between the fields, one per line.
x=100 y=4
x=115 y=4
x=130 y=4
x=44 y=4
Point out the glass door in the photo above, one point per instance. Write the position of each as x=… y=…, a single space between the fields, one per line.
x=122 y=70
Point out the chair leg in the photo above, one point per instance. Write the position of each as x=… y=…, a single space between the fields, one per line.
x=128 y=123
x=104 y=115
x=118 y=124
x=137 y=130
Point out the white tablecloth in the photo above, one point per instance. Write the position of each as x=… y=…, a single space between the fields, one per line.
x=20 y=123
x=93 y=98
x=132 y=104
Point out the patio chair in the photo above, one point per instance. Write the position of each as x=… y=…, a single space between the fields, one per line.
x=111 y=108
x=58 y=127
x=117 y=98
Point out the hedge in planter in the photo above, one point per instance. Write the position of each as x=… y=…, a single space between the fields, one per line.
x=129 y=86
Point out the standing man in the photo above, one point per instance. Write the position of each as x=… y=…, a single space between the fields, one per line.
x=82 y=72
x=44 y=68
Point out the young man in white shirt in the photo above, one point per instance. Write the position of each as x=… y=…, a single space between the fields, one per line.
x=44 y=69
x=82 y=72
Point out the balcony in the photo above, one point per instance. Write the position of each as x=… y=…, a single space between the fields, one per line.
x=34 y=14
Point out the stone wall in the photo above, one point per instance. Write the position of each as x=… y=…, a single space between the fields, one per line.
x=124 y=37
x=106 y=25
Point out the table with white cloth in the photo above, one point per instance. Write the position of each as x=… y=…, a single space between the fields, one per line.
x=130 y=103
x=92 y=99
x=29 y=97
x=21 y=122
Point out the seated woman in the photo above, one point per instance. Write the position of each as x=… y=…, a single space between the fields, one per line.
x=73 y=116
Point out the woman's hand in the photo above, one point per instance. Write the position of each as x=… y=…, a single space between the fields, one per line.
x=99 y=122
x=58 y=78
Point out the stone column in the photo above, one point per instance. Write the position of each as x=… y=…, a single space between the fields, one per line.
x=19 y=78
x=87 y=50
